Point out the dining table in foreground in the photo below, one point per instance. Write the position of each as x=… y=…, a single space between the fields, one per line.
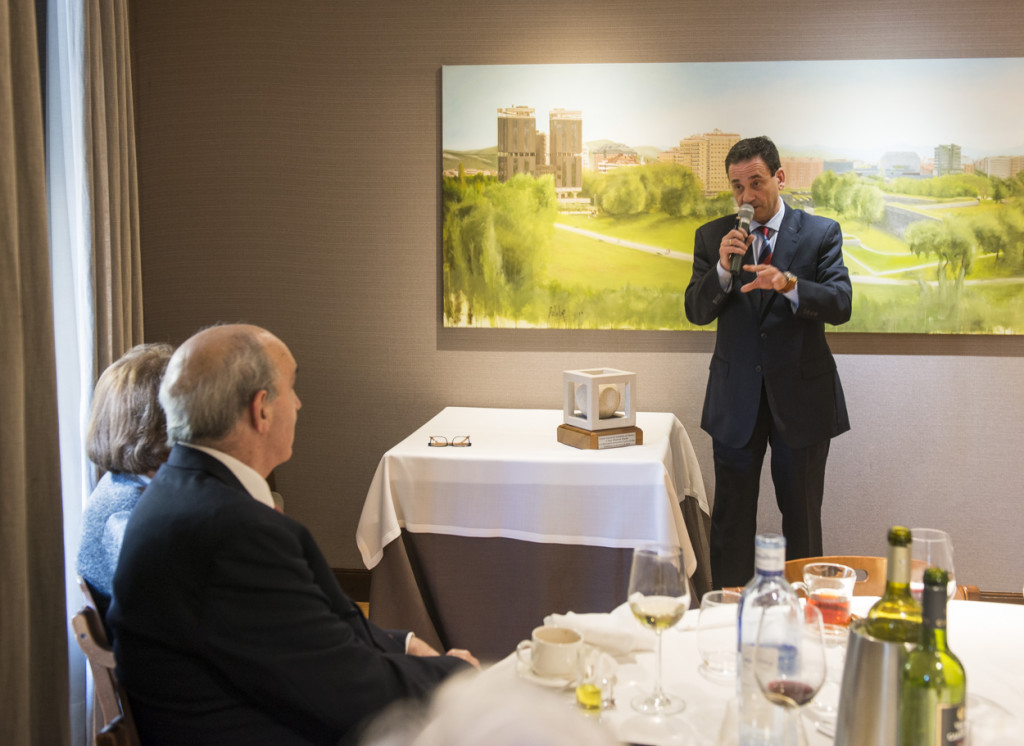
x=469 y=546
x=985 y=636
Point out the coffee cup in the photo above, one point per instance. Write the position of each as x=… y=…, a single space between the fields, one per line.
x=551 y=652
x=829 y=586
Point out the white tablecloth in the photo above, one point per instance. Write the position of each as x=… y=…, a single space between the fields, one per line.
x=985 y=636
x=518 y=482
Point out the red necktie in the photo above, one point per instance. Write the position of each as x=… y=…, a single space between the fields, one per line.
x=766 y=245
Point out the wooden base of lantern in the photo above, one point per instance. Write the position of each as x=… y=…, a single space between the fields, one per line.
x=600 y=439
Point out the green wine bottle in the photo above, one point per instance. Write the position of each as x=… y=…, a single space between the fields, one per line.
x=933 y=689
x=896 y=616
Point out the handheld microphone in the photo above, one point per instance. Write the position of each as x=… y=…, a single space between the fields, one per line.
x=743 y=217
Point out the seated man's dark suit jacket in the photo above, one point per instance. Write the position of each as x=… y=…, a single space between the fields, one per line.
x=230 y=628
x=760 y=338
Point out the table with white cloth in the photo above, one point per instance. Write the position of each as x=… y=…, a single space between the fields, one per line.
x=985 y=636
x=470 y=546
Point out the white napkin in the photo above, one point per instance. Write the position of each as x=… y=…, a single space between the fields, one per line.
x=603 y=631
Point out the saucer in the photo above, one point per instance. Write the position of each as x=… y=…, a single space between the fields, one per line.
x=525 y=672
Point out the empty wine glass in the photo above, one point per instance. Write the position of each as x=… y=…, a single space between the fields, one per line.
x=789 y=661
x=930 y=547
x=659 y=595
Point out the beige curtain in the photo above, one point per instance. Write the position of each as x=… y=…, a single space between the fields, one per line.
x=114 y=198
x=33 y=640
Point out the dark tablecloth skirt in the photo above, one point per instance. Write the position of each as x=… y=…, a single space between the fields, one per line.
x=487 y=594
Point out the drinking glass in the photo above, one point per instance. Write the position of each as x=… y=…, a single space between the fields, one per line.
x=595 y=680
x=789 y=660
x=930 y=547
x=659 y=595
x=829 y=587
x=716 y=634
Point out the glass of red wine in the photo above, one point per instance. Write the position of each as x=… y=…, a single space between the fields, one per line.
x=789 y=660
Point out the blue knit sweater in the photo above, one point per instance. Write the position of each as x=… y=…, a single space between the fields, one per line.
x=103 y=522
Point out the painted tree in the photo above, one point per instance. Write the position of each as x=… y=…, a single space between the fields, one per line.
x=471 y=260
x=869 y=203
x=951 y=241
x=849 y=196
x=495 y=239
x=671 y=188
x=524 y=221
x=1011 y=220
x=990 y=234
x=823 y=188
x=623 y=193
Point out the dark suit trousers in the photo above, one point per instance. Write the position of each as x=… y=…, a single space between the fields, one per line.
x=799 y=478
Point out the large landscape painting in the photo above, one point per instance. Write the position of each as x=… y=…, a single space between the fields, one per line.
x=571 y=193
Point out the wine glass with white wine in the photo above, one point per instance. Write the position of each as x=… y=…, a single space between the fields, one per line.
x=659 y=595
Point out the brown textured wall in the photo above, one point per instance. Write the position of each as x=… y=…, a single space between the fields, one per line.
x=288 y=161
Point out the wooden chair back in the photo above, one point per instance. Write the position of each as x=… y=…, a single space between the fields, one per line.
x=111 y=712
x=97 y=599
x=870 y=575
x=967 y=593
x=870 y=571
x=117 y=733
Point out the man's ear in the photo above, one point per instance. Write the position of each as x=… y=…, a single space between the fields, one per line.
x=258 y=414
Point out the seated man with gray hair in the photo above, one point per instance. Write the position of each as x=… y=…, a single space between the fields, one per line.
x=229 y=626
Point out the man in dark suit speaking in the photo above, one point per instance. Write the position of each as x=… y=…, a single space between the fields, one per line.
x=773 y=379
x=229 y=627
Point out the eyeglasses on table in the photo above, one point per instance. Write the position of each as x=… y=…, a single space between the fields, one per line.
x=439 y=441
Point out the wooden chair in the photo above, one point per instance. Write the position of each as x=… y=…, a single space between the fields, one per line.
x=118 y=733
x=870 y=571
x=967 y=593
x=111 y=712
x=870 y=575
x=97 y=599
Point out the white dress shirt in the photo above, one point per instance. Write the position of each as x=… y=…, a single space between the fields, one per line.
x=253 y=483
x=725 y=278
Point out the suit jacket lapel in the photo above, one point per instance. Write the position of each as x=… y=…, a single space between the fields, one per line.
x=784 y=252
x=788 y=239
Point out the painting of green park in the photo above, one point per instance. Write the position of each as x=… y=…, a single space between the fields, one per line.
x=562 y=211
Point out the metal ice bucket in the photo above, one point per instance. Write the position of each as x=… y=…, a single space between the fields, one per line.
x=870 y=694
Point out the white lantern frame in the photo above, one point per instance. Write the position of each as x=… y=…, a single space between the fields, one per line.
x=591 y=380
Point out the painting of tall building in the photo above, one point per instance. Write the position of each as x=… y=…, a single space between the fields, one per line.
x=565 y=135
x=801 y=172
x=705 y=156
x=517 y=142
x=523 y=149
x=947 y=160
x=1001 y=166
x=542 y=149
